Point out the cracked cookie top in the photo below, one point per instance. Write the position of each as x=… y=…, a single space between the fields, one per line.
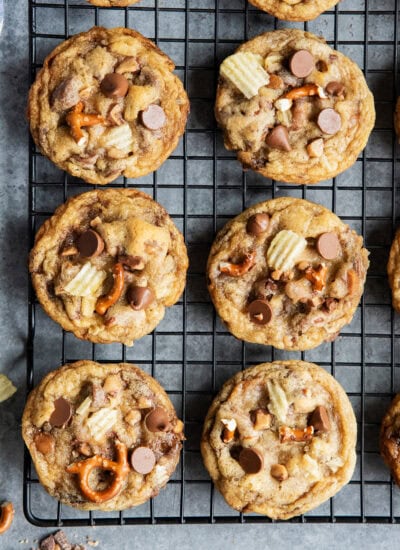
x=113 y=423
x=279 y=439
x=106 y=104
x=294 y=109
x=107 y=264
x=287 y=273
x=294 y=10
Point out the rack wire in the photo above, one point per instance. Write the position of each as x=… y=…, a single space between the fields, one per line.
x=202 y=186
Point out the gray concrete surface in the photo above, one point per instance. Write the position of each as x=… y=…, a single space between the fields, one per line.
x=13 y=284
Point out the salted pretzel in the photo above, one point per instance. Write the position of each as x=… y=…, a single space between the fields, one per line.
x=119 y=468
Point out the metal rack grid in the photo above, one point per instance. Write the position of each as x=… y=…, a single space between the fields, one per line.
x=202 y=185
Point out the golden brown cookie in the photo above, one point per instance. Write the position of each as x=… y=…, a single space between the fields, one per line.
x=107 y=264
x=106 y=104
x=294 y=10
x=294 y=109
x=279 y=439
x=86 y=419
x=287 y=273
x=393 y=269
x=390 y=438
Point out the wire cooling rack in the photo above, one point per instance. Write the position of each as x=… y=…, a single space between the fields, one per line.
x=202 y=186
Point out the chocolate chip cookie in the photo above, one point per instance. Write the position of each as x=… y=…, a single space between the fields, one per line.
x=287 y=273
x=294 y=10
x=390 y=438
x=106 y=104
x=279 y=439
x=102 y=437
x=294 y=109
x=107 y=264
x=393 y=269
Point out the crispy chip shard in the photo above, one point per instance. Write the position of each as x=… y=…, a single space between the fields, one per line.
x=119 y=137
x=102 y=422
x=244 y=70
x=7 y=388
x=284 y=250
x=278 y=404
x=84 y=407
x=86 y=282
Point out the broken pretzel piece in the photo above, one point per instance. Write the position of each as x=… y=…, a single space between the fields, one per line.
x=119 y=468
x=77 y=119
x=229 y=431
x=6 y=516
x=304 y=91
x=295 y=434
x=317 y=276
x=113 y=296
x=237 y=270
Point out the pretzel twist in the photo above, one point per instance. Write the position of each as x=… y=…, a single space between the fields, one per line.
x=119 y=468
x=237 y=270
x=113 y=296
x=6 y=516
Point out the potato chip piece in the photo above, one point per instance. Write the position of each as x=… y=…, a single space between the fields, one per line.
x=7 y=388
x=119 y=137
x=84 y=407
x=244 y=70
x=284 y=250
x=86 y=282
x=101 y=422
x=278 y=403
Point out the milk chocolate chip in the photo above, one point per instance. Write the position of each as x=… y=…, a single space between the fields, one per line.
x=302 y=63
x=90 y=244
x=153 y=117
x=328 y=245
x=335 y=88
x=157 y=420
x=257 y=224
x=140 y=297
x=61 y=414
x=329 y=121
x=320 y=420
x=278 y=138
x=143 y=460
x=114 y=85
x=251 y=460
x=260 y=312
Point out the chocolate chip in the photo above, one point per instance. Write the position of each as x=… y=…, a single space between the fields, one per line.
x=260 y=312
x=335 y=88
x=265 y=288
x=140 y=297
x=320 y=420
x=44 y=443
x=90 y=244
x=61 y=414
x=153 y=117
x=328 y=245
x=329 y=121
x=302 y=63
x=157 y=420
x=257 y=224
x=114 y=85
x=278 y=138
x=251 y=460
x=143 y=460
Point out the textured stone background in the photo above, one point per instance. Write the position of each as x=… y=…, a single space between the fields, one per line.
x=230 y=199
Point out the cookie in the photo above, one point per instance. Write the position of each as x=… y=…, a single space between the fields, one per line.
x=294 y=10
x=86 y=419
x=294 y=109
x=286 y=273
x=107 y=104
x=279 y=439
x=107 y=264
x=390 y=438
x=393 y=269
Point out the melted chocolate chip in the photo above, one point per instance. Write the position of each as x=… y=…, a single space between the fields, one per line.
x=140 y=297
x=143 y=460
x=278 y=138
x=157 y=420
x=329 y=121
x=114 y=85
x=90 y=244
x=302 y=63
x=153 y=117
x=251 y=460
x=260 y=312
x=320 y=420
x=61 y=414
x=257 y=224
x=328 y=245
